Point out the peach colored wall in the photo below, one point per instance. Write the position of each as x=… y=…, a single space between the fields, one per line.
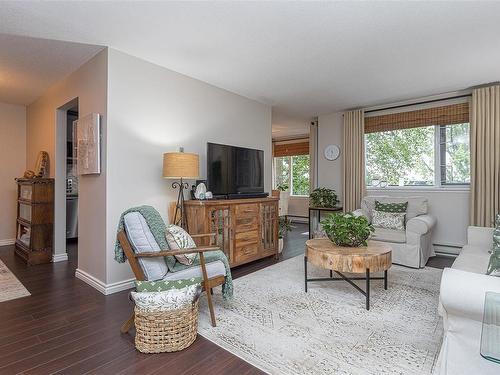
x=13 y=162
x=89 y=85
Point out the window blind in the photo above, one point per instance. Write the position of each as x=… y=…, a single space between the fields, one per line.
x=445 y=115
x=291 y=149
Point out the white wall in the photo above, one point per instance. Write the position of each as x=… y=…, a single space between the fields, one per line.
x=451 y=207
x=298 y=206
x=13 y=158
x=152 y=110
x=89 y=85
x=330 y=131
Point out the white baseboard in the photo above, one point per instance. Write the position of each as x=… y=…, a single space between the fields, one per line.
x=59 y=257
x=101 y=286
x=119 y=286
x=297 y=219
x=9 y=241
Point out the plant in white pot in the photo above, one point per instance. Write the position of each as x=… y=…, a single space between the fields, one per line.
x=284 y=197
x=284 y=226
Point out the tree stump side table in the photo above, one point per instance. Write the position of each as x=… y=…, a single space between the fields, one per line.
x=323 y=253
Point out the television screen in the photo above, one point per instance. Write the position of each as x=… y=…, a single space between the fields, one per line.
x=234 y=170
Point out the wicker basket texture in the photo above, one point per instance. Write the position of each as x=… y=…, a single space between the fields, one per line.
x=166 y=331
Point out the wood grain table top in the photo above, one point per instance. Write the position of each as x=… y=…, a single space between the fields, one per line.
x=322 y=252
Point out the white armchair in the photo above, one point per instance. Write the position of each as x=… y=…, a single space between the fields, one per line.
x=413 y=246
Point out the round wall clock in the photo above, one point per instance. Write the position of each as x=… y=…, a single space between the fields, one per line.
x=332 y=152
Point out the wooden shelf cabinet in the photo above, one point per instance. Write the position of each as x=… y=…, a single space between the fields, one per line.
x=35 y=220
x=247 y=229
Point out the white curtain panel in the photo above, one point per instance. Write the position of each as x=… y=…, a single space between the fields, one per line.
x=354 y=160
x=313 y=154
x=485 y=155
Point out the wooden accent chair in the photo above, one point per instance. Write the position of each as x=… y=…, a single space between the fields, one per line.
x=207 y=284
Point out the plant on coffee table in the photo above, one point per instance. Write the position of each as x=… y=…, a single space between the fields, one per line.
x=347 y=229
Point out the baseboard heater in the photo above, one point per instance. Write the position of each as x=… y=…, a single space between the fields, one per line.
x=447 y=250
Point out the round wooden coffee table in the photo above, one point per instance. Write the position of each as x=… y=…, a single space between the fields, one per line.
x=323 y=253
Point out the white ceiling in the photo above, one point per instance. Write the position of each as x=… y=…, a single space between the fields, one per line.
x=303 y=58
x=29 y=66
x=287 y=125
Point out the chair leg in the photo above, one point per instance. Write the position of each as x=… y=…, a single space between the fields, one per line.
x=128 y=324
x=211 y=308
x=207 y=289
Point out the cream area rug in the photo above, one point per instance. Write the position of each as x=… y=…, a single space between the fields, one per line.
x=10 y=286
x=273 y=324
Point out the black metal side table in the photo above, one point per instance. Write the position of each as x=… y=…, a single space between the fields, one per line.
x=319 y=210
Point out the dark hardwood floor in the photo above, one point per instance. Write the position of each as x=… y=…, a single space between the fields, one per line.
x=67 y=327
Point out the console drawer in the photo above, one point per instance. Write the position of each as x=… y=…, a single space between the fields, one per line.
x=247 y=209
x=246 y=223
x=246 y=252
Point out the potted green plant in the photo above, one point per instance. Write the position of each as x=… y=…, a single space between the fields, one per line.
x=284 y=226
x=323 y=197
x=347 y=230
x=282 y=187
x=284 y=197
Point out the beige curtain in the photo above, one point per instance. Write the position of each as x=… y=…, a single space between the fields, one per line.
x=313 y=154
x=485 y=155
x=354 y=160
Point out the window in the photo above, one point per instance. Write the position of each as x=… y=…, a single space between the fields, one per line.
x=428 y=146
x=454 y=148
x=423 y=147
x=293 y=172
x=420 y=156
x=400 y=157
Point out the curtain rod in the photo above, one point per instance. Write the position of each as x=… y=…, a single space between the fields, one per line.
x=418 y=103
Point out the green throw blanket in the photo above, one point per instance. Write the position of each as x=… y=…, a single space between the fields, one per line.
x=158 y=229
x=494 y=264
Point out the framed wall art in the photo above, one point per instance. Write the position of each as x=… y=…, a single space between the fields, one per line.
x=88 y=144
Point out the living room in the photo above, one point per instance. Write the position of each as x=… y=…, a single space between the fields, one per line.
x=316 y=111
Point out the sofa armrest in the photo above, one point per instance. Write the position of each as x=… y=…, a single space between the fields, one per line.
x=480 y=236
x=421 y=224
x=462 y=293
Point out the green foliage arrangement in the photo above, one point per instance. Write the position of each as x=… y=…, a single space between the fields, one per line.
x=323 y=197
x=347 y=229
x=284 y=226
x=282 y=187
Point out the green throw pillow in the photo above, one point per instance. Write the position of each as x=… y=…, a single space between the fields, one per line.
x=163 y=285
x=391 y=207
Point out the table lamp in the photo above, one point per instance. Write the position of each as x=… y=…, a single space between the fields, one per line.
x=180 y=165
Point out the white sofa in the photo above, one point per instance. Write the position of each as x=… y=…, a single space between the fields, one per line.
x=411 y=247
x=461 y=304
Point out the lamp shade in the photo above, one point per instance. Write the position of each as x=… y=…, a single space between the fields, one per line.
x=181 y=165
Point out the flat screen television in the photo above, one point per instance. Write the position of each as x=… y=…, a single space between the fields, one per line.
x=235 y=171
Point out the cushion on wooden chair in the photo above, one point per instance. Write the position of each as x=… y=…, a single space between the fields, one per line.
x=143 y=241
x=214 y=269
x=177 y=238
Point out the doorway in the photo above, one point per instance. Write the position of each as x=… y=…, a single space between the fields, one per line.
x=71 y=186
x=66 y=185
